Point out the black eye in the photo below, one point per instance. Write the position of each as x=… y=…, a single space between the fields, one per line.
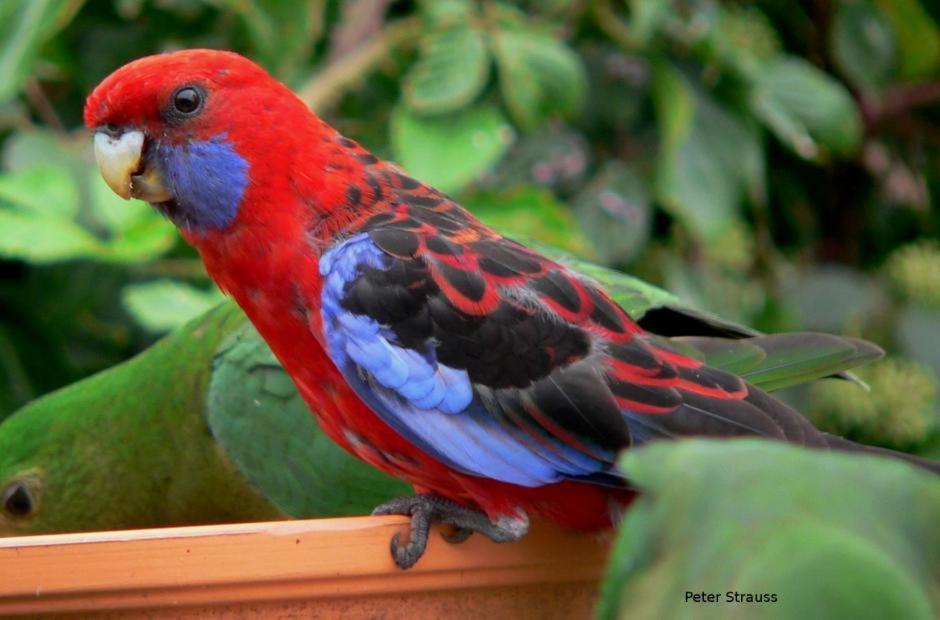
x=17 y=500
x=187 y=100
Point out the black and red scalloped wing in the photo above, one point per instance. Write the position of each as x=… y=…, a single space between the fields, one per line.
x=548 y=353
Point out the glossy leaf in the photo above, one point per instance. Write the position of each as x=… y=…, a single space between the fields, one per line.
x=863 y=44
x=136 y=232
x=42 y=191
x=710 y=159
x=449 y=151
x=452 y=69
x=646 y=19
x=917 y=35
x=44 y=240
x=446 y=12
x=282 y=32
x=540 y=77
x=744 y=38
x=24 y=26
x=163 y=305
x=807 y=109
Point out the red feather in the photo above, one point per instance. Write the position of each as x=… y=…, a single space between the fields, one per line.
x=311 y=187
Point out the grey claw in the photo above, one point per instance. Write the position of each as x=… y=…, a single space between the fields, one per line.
x=427 y=509
x=457 y=536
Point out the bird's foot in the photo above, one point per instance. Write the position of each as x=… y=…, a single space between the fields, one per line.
x=426 y=509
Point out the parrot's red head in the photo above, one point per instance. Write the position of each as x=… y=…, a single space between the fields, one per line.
x=195 y=132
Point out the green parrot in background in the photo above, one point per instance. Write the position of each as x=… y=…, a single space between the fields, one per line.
x=203 y=427
x=206 y=427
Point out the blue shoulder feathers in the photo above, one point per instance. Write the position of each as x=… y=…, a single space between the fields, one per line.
x=434 y=406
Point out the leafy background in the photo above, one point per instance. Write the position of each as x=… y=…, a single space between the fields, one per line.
x=773 y=161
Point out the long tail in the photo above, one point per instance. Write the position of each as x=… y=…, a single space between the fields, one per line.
x=840 y=443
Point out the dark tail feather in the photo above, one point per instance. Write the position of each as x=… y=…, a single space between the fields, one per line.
x=839 y=443
x=781 y=360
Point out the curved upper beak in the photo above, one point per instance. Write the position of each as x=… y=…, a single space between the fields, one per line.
x=120 y=161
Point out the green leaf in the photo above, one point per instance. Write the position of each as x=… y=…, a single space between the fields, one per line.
x=24 y=26
x=137 y=232
x=143 y=240
x=41 y=191
x=863 y=44
x=163 y=305
x=114 y=212
x=265 y=427
x=530 y=213
x=744 y=38
x=615 y=212
x=43 y=240
x=829 y=535
x=450 y=151
x=40 y=148
x=675 y=104
x=451 y=70
x=806 y=108
x=282 y=32
x=710 y=159
x=540 y=77
x=917 y=36
x=446 y=12
x=647 y=18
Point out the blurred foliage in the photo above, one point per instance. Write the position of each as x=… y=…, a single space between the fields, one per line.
x=785 y=532
x=900 y=410
x=773 y=162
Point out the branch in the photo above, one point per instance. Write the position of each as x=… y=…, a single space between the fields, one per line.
x=360 y=19
x=38 y=100
x=328 y=86
x=898 y=101
x=611 y=25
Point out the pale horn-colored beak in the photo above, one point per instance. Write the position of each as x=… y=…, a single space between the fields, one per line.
x=119 y=161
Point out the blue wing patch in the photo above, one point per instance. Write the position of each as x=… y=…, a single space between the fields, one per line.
x=432 y=405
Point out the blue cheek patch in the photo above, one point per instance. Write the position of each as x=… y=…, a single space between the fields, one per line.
x=208 y=179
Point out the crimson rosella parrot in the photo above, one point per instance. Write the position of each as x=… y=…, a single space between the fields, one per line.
x=498 y=382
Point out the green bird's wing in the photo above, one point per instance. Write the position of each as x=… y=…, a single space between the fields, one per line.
x=804 y=533
x=203 y=427
x=265 y=427
x=128 y=447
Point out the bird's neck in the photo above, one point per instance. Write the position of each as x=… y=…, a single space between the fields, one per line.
x=309 y=193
